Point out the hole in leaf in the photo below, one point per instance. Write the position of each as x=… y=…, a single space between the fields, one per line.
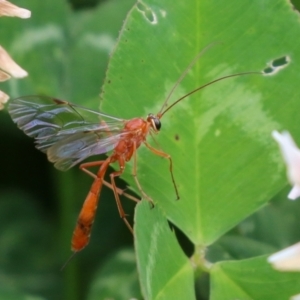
x=268 y=70
x=276 y=65
x=280 y=61
x=147 y=12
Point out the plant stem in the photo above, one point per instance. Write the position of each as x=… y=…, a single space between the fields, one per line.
x=66 y=195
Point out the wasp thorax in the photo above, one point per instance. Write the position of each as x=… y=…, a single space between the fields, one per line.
x=155 y=122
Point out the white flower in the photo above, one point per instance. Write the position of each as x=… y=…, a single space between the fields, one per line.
x=291 y=155
x=287 y=259
x=10 y=10
x=8 y=65
x=4 y=76
x=3 y=99
x=8 y=68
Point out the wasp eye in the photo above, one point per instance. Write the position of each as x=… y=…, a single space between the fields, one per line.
x=155 y=122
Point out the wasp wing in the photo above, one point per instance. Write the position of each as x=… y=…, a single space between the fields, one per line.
x=68 y=133
x=75 y=148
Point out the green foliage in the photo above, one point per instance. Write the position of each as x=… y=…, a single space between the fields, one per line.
x=226 y=165
x=117 y=278
x=161 y=278
x=251 y=279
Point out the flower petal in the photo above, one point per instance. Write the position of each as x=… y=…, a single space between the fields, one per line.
x=8 y=65
x=3 y=99
x=291 y=155
x=294 y=193
x=287 y=259
x=296 y=297
x=4 y=76
x=10 y=10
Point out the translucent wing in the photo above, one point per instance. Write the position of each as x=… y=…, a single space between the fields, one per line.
x=68 y=133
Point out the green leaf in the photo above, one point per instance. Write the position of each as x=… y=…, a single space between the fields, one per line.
x=165 y=272
x=226 y=165
x=252 y=279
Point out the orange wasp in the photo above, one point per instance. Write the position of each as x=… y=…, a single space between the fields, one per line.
x=69 y=133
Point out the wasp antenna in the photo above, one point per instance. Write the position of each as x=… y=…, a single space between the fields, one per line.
x=68 y=260
x=207 y=84
x=184 y=74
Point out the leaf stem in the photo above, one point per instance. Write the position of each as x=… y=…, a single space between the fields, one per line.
x=199 y=263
